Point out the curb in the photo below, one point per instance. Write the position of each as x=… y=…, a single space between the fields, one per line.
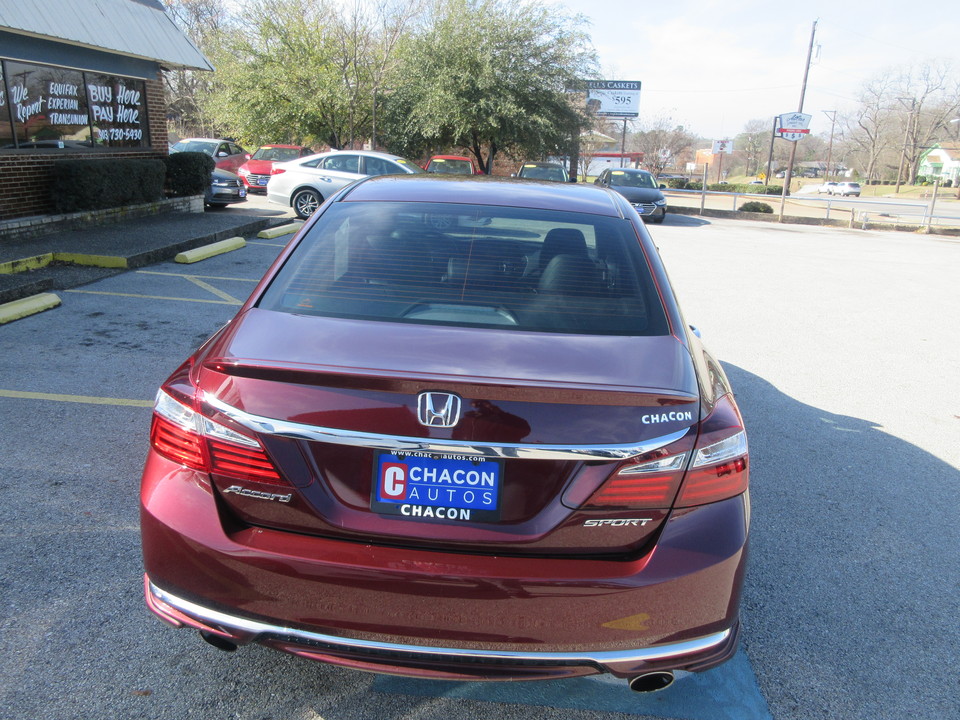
x=27 y=306
x=31 y=263
x=209 y=251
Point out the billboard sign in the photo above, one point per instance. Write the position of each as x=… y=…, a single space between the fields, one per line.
x=794 y=126
x=614 y=98
x=722 y=146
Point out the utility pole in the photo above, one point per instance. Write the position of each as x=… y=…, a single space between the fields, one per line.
x=773 y=136
x=793 y=150
x=833 y=121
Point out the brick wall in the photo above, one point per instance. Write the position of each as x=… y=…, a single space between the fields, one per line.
x=25 y=176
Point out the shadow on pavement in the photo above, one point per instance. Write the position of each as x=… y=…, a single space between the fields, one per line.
x=850 y=602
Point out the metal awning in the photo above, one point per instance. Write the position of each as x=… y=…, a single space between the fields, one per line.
x=134 y=28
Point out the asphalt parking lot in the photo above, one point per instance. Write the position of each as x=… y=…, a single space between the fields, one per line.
x=842 y=346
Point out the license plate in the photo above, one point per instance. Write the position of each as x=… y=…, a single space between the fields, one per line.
x=427 y=487
x=243 y=192
x=262 y=181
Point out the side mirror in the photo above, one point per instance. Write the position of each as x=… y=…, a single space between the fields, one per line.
x=513 y=174
x=573 y=179
x=223 y=153
x=662 y=186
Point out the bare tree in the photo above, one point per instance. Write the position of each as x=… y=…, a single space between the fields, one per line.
x=203 y=21
x=934 y=92
x=868 y=129
x=751 y=145
x=663 y=143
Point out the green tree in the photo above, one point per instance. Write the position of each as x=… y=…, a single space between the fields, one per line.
x=488 y=75
x=304 y=70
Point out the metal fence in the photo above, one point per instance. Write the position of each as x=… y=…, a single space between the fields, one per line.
x=859 y=211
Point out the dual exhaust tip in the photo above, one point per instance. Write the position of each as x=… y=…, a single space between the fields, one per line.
x=646 y=683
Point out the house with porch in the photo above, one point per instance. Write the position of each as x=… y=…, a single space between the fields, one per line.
x=941 y=161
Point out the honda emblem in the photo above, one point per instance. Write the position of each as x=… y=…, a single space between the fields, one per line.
x=438 y=409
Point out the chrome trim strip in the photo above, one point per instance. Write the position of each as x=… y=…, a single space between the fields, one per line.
x=399 y=443
x=266 y=631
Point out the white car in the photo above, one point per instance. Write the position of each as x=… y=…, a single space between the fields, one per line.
x=827 y=187
x=305 y=183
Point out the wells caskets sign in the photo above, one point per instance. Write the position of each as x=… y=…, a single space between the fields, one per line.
x=614 y=98
x=48 y=106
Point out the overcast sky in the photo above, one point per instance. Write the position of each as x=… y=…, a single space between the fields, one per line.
x=713 y=65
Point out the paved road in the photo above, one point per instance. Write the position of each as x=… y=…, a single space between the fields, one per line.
x=842 y=346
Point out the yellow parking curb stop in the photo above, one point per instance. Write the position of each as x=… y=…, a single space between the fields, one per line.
x=275 y=232
x=101 y=261
x=27 y=306
x=208 y=251
x=31 y=263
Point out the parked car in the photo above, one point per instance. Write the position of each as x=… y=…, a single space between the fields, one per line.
x=543 y=171
x=451 y=165
x=827 y=187
x=255 y=172
x=846 y=188
x=225 y=188
x=225 y=153
x=492 y=452
x=640 y=189
x=305 y=183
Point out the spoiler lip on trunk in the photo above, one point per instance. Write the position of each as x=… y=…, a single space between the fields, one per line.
x=404 y=444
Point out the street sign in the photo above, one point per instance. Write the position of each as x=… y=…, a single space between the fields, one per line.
x=794 y=126
x=722 y=146
x=614 y=98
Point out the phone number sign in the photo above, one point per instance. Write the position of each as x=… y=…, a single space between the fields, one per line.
x=614 y=98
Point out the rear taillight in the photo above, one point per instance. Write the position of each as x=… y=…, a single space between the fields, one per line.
x=185 y=436
x=277 y=170
x=719 y=468
x=649 y=483
x=714 y=469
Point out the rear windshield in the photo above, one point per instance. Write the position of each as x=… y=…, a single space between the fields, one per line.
x=472 y=266
x=543 y=172
x=276 y=154
x=448 y=166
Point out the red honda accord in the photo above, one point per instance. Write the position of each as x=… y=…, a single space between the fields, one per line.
x=460 y=430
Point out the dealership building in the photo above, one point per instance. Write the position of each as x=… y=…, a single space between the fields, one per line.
x=81 y=79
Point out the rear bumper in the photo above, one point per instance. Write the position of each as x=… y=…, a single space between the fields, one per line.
x=444 y=614
x=431 y=661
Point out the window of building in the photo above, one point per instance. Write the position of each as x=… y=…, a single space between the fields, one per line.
x=43 y=106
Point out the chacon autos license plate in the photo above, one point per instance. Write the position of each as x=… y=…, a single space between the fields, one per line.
x=421 y=486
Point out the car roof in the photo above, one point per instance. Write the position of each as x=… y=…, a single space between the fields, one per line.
x=368 y=153
x=540 y=164
x=450 y=157
x=485 y=190
x=275 y=145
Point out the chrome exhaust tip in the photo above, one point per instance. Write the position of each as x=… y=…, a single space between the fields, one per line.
x=652 y=681
x=220 y=643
